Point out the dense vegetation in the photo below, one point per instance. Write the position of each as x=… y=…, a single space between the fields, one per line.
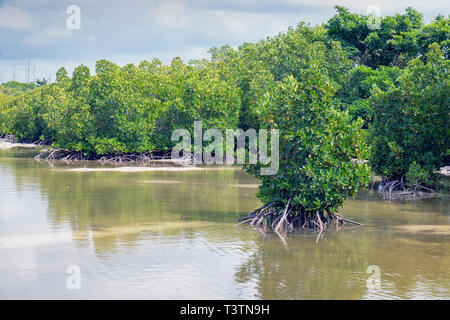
x=14 y=88
x=410 y=133
x=123 y=110
x=340 y=94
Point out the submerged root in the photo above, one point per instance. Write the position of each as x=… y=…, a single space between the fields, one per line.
x=286 y=219
x=58 y=154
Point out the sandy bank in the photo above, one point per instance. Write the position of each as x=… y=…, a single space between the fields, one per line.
x=4 y=145
x=426 y=229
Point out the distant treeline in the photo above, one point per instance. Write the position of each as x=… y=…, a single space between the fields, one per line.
x=395 y=78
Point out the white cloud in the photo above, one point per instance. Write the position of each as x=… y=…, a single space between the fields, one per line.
x=171 y=14
x=235 y=21
x=51 y=34
x=251 y=26
x=14 y=18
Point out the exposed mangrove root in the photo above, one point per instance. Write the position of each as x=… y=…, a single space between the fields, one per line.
x=402 y=189
x=140 y=157
x=58 y=154
x=40 y=142
x=283 y=219
x=7 y=138
x=67 y=155
x=11 y=138
x=148 y=157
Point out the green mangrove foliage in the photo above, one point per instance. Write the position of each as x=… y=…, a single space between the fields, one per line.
x=4 y=115
x=322 y=154
x=123 y=110
x=410 y=133
x=380 y=54
x=14 y=88
x=398 y=39
x=355 y=93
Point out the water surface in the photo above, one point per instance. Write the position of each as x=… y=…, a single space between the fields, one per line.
x=172 y=235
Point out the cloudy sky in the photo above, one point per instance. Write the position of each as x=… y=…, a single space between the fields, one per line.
x=135 y=30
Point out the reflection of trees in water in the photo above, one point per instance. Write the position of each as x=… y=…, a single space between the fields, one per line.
x=303 y=270
x=22 y=169
x=101 y=200
x=336 y=267
x=17 y=153
x=119 y=207
x=117 y=198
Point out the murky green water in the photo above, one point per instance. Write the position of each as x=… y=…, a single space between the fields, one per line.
x=126 y=233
